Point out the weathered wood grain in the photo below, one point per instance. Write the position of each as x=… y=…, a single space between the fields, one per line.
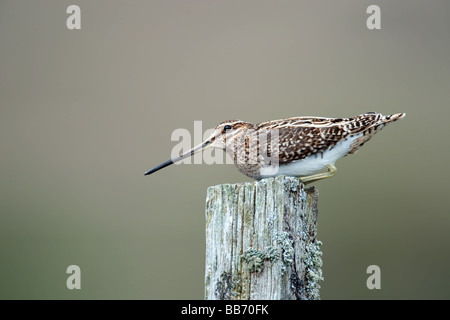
x=261 y=241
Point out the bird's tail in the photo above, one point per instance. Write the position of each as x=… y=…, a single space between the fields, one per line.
x=378 y=123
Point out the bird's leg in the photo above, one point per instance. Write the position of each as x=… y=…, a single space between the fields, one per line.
x=331 y=171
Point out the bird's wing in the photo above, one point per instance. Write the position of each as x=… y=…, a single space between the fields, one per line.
x=304 y=136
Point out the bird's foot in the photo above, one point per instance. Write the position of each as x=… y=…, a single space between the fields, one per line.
x=315 y=177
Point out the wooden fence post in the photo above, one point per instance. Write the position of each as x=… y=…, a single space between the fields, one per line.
x=261 y=241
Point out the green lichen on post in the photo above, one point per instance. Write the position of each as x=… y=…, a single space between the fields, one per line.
x=230 y=286
x=255 y=258
x=313 y=269
x=287 y=250
x=284 y=240
x=224 y=286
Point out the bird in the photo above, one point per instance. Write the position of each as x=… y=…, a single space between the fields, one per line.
x=303 y=147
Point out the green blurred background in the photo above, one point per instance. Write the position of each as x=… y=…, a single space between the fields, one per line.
x=84 y=113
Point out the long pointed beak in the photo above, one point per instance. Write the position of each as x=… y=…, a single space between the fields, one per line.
x=194 y=150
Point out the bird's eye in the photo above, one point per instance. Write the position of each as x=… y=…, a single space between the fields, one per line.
x=227 y=127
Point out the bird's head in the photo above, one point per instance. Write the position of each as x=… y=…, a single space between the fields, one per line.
x=227 y=132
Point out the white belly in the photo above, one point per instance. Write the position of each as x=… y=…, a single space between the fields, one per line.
x=312 y=164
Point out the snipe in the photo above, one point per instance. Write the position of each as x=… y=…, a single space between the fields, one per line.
x=304 y=147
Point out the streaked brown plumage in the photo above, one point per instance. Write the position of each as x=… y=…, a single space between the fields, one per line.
x=301 y=146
